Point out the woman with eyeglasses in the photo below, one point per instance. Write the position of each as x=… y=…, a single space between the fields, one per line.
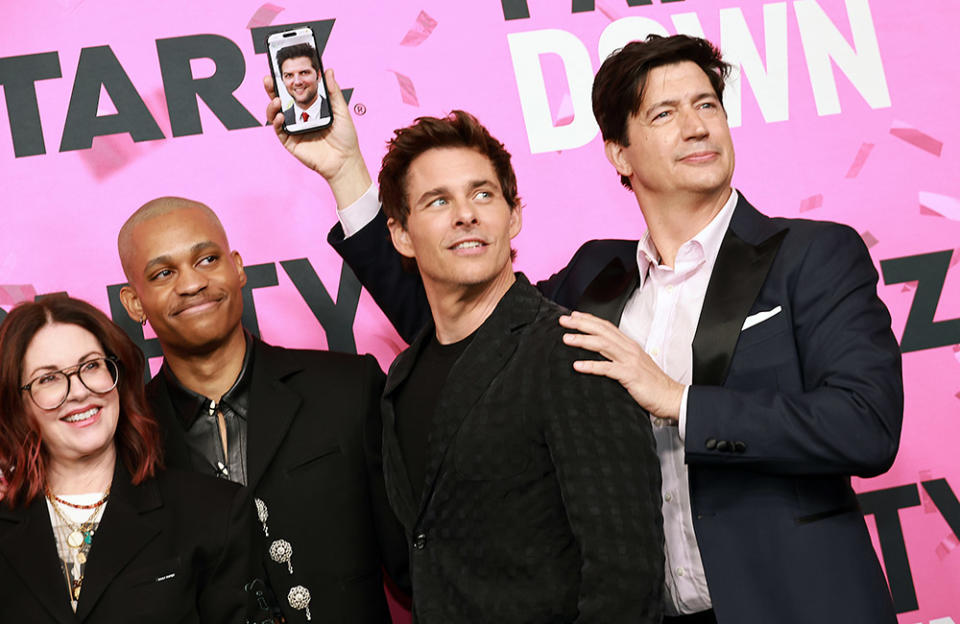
x=91 y=528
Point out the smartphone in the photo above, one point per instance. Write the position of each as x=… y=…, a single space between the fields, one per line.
x=298 y=78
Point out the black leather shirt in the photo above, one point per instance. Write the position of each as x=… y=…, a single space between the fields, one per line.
x=198 y=416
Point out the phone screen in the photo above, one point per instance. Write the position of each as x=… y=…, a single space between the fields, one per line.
x=298 y=77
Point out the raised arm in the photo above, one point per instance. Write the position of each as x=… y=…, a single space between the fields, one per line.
x=333 y=152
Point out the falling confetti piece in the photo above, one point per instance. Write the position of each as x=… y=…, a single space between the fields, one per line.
x=946 y=546
x=565 y=112
x=609 y=13
x=814 y=201
x=420 y=31
x=939 y=205
x=408 y=93
x=13 y=294
x=916 y=138
x=955 y=258
x=111 y=153
x=928 y=505
x=908 y=286
x=957 y=395
x=859 y=160
x=69 y=5
x=869 y=239
x=264 y=16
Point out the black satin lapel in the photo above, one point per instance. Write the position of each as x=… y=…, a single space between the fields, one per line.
x=468 y=380
x=32 y=553
x=403 y=364
x=176 y=452
x=122 y=534
x=402 y=497
x=608 y=293
x=738 y=275
x=399 y=488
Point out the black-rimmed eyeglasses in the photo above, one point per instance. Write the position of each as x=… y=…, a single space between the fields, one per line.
x=50 y=390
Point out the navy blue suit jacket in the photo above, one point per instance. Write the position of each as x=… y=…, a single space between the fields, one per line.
x=779 y=415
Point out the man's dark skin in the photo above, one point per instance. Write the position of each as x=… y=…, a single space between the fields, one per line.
x=300 y=428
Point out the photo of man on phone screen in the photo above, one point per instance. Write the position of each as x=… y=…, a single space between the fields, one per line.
x=299 y=71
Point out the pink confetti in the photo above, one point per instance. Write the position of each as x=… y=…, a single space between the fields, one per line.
x=814 y=201
x=928 y=505
x=13 y=294
x=955 y=258
x=111 y=153
x=916 y=138
x=946 y=546
x=69 y=5
x=957 y=395
x=956 y=353
x=420 y=31
x=408 y=93
x=869 y=239
x=264 y=16
x=564 y=114
x=859 y=160
x=609 y=13
x=908 y=286
x=937 y=205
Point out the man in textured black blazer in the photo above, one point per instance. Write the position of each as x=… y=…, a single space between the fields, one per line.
x=529 y=493
x=776 y=377
x=300 y=428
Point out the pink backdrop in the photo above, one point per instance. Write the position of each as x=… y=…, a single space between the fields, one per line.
x=845 y=111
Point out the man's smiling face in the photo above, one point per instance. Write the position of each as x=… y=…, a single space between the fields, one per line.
x=185 y=279
x=301 y=80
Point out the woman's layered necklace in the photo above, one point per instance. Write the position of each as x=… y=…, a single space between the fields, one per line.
x=78 y=538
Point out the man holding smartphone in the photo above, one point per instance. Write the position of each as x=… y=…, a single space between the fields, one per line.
x=757 y=344
x=529 y=493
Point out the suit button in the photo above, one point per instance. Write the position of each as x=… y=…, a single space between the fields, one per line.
x=420 y=541
x=723 y=446
x=711 y=444
x=739 y=446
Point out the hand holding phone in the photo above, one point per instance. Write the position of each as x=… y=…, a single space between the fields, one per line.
x=334 y=153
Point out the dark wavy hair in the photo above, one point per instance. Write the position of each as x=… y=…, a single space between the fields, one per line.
x=296 y=51
x=619 y=85
x=22 y=458
x=458 y=129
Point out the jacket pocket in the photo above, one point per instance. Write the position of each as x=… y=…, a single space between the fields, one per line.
x=763 y=331
x=310 y=459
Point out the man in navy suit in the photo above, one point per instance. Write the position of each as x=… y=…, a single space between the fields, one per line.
x=758 y=346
